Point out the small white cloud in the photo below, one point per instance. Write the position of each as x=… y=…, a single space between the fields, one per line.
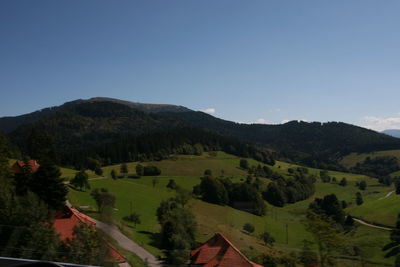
x=285 y=121
x=209 y=110
x=381 y=123
x=262 y=121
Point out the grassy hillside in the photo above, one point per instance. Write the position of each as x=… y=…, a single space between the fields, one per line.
x=352 y=159
x=186 y=170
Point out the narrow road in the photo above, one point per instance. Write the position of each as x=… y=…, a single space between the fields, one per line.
x=128 y=244
x=387 y=195
x=371 y=225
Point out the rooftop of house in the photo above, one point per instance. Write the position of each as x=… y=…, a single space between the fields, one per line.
x=65 y=221
x=219 y=251
x=18 y=166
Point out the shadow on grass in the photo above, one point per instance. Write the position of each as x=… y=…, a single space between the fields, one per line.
x=154 y=237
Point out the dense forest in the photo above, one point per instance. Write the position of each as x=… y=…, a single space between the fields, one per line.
x=116 y=130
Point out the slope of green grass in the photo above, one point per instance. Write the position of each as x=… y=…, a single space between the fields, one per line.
x=352 y=159
x=186 y=170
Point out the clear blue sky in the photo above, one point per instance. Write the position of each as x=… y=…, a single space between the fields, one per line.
x=273 y=60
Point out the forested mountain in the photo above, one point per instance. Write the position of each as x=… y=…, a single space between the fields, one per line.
x=94 y=127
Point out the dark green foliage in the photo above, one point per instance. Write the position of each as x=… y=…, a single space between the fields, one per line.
x=349 y=223
x=213 y=191
x=393 y=247
x=93 y=164
x=386 y=180
x=113 y=174
x=48 y=186
x=244 y=164
x=134 y=218
x=139 y=170
x=329 y=206
x=151 y=171
x=87 y=247
x=172 y=184
x=208 y=172
x=196 y=190
x=25 y=217
x=398 y=187
x=378 y=166
x=291 y=190
x=248 y=227
x=123 y=169
x=178 y=228
x=98 y=171
x=362 y=185
x=104 y=199
x=343 y=182
x=81 y=180
x=308 y=257
x=245 y=197
x=324 y=175
x=267 y=238
x=359 y=199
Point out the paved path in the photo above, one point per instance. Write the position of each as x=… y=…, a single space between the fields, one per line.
x=371 y=225
x=387 y=195
x=128 y=244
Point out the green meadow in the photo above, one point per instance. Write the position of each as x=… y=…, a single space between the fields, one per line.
x=354 y=158
x=140 y=196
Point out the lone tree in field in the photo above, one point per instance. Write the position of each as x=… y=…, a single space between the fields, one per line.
x=362 y=185
x=98 y=171
x=113 y=174
x=248 y=227
x=343 y=182
x=134 y=218
x=359 y=199
x=124 y=169
x=244 y=164
x=172 y=184
x=81 y=180
x=139 y=170
x=104 y=200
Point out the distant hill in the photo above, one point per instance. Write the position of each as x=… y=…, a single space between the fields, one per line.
x=8 y=124
x=94 y=122
x=392 y=132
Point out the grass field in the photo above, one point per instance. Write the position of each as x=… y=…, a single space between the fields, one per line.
x=352 y=159
x=140 y=196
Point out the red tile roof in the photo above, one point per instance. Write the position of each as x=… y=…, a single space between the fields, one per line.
x=65 y=221
x=18 y=166
x=218 y=251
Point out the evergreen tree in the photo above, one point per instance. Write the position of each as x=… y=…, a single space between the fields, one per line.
x=48 y=186
x=362 y=185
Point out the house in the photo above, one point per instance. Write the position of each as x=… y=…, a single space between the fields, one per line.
x=18 y=166
x=218 y=251
x=65 y=221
